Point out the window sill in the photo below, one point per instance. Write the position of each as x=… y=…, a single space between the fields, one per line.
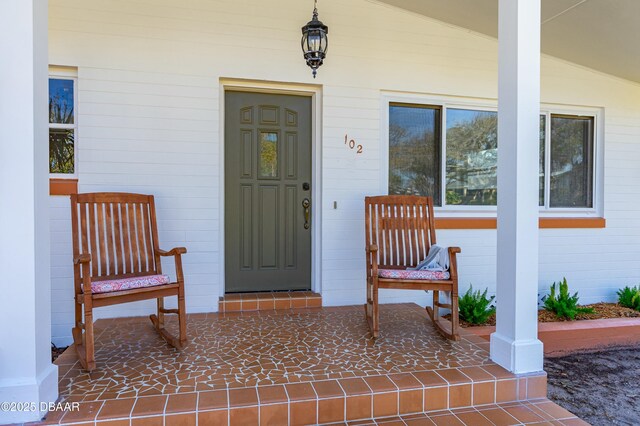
x=59 y=186
x=543 y=223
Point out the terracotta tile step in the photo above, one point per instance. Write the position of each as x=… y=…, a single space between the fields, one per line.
x=455 y=392
x=533 y=412
x=244 y=302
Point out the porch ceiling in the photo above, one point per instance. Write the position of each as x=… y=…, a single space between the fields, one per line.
x=599 y=34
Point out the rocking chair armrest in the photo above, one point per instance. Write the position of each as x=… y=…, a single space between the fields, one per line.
x=82 y=258
x=372 y=260
x=173 y=252
x=453 y=268
x=177 y=253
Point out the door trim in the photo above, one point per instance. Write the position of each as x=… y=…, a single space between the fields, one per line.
x=278 y=88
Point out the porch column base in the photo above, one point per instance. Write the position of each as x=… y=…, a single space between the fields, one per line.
x=40 y=392
x=517 y=356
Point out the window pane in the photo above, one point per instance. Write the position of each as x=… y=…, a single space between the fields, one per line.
x=541 y=168
x=60 y=101
x=414 y=151
x=268 y=154
x=472 y=154
x=61 y=151
x=571 y=161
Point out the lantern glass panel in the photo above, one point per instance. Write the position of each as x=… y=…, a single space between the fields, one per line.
x=315 y=41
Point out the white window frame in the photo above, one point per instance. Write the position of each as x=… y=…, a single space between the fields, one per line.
x=63 y=73
x=598 y=156
x=486 y=104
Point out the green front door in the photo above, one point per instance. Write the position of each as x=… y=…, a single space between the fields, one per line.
x=267 y=192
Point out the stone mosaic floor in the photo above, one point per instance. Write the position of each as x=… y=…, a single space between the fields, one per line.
x=260 y=348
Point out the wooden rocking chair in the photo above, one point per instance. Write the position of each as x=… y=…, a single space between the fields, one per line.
x=399 y=232
x=116 y=259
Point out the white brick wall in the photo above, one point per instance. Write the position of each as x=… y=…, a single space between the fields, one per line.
x=149 y=121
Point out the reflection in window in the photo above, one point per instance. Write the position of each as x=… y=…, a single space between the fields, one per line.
x=472 y=154
x=60 y=101
x=268 y=154
x=415 y=156
x=61 y=151
x=414 y=151
x=62 y=124
x=571 y=161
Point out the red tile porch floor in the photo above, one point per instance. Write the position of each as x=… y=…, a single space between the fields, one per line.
x=297 y=366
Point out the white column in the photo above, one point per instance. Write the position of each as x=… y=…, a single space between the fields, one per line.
x=515 y=345
x=26 y=372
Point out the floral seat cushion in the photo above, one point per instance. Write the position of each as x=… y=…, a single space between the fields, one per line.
x=122 y=284
x=410 y=274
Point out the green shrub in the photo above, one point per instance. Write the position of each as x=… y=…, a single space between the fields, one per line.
x=563 y=304
x=629 y=297
x=475 y=308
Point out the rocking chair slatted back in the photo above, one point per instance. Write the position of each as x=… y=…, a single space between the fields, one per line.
x=115 y=237
x=402 y=227
x=119 y=230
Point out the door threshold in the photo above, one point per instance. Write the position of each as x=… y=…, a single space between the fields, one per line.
x=268 y=301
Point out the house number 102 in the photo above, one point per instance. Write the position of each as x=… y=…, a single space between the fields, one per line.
x=352 y=144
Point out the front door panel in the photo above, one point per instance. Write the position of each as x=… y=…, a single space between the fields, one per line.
x=267 y=180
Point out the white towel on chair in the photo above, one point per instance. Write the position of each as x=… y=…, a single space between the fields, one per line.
x=436 y=260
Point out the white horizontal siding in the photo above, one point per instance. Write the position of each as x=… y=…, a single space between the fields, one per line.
x=149 y=121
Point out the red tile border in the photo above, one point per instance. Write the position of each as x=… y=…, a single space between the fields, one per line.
x=182 y=403
x=351 y=399
x=244 y=302
x=243 y=397
x=380 y=384
x=429 y=378
x=272 y=394
x=149 y=405
x=116 y=408
x=405 y=381
x=328 y=389
x=300 y=391
x=453 y=376
x=354 y=386
x=212 y=400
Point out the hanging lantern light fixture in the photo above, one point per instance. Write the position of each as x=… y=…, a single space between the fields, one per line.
x=314 y=41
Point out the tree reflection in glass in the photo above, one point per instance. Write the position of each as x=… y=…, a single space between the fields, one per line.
x=571 y=161
x=61 y=127
x=61 y=151
x=472 y=157
x=414 y=151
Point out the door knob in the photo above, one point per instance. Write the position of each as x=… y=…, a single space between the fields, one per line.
x=305 y=205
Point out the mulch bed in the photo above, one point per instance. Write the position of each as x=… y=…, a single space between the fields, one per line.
x=56 y=351
x=602 y=310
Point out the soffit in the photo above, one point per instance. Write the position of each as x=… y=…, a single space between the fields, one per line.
x=600 y=34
